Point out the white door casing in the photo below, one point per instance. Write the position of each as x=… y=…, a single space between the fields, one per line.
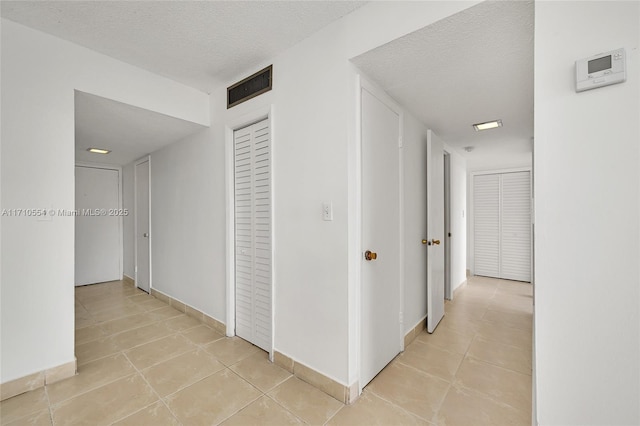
x=435 y=231
x=253 y=234
x=142 y=225
x=380 y=324
x=98 y=242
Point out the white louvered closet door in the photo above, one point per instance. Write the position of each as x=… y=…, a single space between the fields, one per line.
x=486 y=214
x=502 y=225
x=515 y=230
x=253 y=233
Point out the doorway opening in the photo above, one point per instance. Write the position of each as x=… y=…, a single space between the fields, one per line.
x=142 y=224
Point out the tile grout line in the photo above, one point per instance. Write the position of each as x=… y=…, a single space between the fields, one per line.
x=153 y=390
x=396 y=405
x=282 y=406
x=46 y=392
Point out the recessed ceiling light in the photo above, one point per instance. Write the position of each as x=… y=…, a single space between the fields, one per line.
x=98 y=151
x=487 y=125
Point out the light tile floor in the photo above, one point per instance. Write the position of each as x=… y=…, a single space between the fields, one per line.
x=144 y=363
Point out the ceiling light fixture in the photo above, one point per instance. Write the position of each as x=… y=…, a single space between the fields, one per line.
x=98 y=150
x=487 y=125
x=468 y=148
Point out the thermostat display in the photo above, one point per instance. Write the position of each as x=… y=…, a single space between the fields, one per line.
x=601 y=70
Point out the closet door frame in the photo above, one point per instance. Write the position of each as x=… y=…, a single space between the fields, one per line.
x=231 y=126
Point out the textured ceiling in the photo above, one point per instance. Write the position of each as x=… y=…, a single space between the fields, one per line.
x=129 y=132
x=199 y=43
x=471 y=67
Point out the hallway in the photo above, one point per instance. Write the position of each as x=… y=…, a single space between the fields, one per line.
x=142 y=362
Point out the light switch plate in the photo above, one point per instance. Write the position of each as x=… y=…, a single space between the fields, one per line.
x=327 y=211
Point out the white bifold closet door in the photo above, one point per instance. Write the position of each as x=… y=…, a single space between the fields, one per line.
x=502 y=225
x=253 y=234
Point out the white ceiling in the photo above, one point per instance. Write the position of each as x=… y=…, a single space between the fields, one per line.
x=202 y=44
x=199 y=43
x=471 y=67
x=129 y=132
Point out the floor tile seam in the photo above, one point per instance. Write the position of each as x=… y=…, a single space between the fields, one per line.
x=433 y=376
x=153 y=390
x=234 y=363
x=282 y=406
x=139 y=325
x=480 y=336
x=271 y=388
x=252 y=385
x=499 y=401
x=506 y=324
x=437 y=411
x=505 y=310
x=401 y=408
x=166 y=360
x=268 y=394
x=441 y=348
x=435 y=345
x=201 y=344
x=475 y=358
x=46 y=392
x=110 y=306
x=156 y=363
x=149 y=341
x=334 y=414
x=75 y=345
x=84 y=363
x=184 y=329
x=91 y=389
x=131 y=414
x=493 y=340
x=477 y=392
x=191 y=384
x=240 y=409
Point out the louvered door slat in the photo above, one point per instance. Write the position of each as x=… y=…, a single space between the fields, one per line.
x=253 y=234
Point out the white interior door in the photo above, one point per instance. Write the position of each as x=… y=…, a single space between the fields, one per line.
x=380 y=293
x=143 y=235
x=98 y=245
x=435 y=229
x=253 y=260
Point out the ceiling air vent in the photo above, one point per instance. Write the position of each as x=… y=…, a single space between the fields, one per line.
x=250 y=87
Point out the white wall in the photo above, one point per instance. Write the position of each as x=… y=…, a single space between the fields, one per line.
x=39 y=76
x=314 y=101
x=587 y=189
x=128 y=221
x=188 y=222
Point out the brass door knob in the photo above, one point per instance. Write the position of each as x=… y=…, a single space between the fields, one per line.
x=425 y=242
x=435 y=242
x=369 y=255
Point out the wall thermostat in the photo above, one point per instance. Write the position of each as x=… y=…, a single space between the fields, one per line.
x=601 y=70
